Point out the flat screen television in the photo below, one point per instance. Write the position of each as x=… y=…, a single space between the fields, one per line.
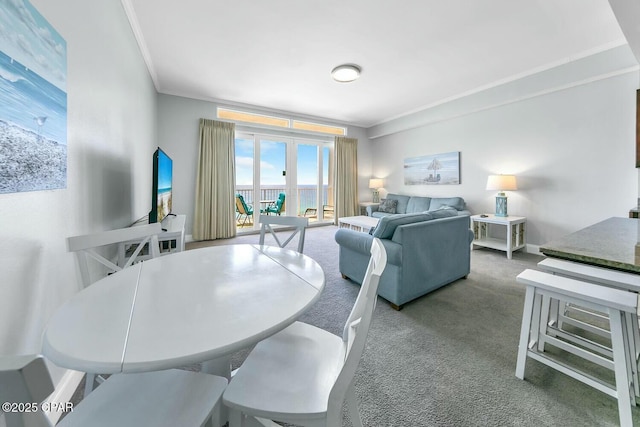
x=162 y=183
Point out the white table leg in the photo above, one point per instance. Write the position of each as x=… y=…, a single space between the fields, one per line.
x=525 y=330
x=620 y=369
x=221 y=367
x=509 y=241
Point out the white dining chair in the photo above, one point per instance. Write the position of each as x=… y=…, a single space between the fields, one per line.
x=299 y=224
x=166 y=398
x=303 y=374
x=87 y=247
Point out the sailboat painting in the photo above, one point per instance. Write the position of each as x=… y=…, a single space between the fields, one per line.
x=440 y=169
x=33 y=101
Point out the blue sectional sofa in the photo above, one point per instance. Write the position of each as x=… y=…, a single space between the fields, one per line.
x=418 y=204
x=424 y=252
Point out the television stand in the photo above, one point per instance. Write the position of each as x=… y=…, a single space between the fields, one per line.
x=171 y=238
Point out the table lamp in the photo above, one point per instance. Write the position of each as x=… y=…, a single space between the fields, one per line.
x=375 y=184
x=501 y=183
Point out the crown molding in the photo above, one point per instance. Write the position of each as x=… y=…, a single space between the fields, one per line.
x=142 y=45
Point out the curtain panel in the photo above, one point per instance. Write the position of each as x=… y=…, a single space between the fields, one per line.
x=214 y=216
x=346 y=178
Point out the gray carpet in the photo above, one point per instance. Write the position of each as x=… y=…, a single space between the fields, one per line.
x=448 y=358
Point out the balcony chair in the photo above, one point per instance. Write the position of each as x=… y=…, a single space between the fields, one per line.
x=300 y=224
x=303 y=374
x=86 y=247
x=327 y=211
x=244 y=211
x=275 y=208
x=165 y=398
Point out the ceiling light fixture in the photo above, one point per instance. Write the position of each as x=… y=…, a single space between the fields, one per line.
x=345 y=73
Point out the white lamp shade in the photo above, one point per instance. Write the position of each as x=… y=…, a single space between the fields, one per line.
x=502 y=183
x=375 y=183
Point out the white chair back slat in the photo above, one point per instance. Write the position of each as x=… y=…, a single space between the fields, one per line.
x=357 y=326
x=85 y=246
x=300 y=224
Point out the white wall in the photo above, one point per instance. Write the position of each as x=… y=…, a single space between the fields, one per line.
x=111 y=107
x=178 y=135
x=570 y=141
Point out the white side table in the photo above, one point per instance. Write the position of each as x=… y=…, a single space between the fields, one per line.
x=515 y=238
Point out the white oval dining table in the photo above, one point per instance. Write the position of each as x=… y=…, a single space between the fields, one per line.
x=188 y=307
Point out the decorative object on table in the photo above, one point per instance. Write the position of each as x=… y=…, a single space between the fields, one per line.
x=375 y=184
x=388 y=206
x=501 y=183
x=441 y=168
x=33 y=112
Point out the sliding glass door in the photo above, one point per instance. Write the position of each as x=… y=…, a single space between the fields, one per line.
x=272 y=179
x=298 y=170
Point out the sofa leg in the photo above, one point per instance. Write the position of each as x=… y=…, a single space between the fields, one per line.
x=344 y=277
x=395 y=307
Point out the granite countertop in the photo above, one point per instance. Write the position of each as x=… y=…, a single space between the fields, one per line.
x=612 y=243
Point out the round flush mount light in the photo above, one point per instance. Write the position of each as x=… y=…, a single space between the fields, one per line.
x=345 y=73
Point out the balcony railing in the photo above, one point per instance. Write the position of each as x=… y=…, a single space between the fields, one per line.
x=307 y=197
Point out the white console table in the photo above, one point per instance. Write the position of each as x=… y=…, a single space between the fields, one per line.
x=171 y=239
x=515 y=237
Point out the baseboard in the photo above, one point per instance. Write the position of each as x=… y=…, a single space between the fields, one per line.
x=63 y=392
x=188 y=238
x=533 y=249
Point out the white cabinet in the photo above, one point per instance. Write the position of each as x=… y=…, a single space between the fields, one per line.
x=171 y=239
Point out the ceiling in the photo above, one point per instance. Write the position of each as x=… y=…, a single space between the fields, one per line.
x=278 y=54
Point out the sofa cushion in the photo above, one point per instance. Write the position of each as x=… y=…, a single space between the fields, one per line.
x=388 y=206
x=454 y=202
x=387 y=225
x=444 y=212
x=403 y=201
x=418 y=204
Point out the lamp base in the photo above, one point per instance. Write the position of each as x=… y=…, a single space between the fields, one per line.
x=501 y=205
x=376 y=197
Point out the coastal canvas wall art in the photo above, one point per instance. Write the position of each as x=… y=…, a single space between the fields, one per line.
x=437 y=169
x=33 y=101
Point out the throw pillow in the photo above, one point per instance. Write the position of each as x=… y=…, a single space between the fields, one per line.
x=388 y=206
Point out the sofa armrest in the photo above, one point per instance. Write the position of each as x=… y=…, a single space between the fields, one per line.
x=355 y=240
x=360 y=242
x=371 y=209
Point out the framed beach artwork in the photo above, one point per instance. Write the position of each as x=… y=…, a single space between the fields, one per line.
x=33 y=101
x=437 y=169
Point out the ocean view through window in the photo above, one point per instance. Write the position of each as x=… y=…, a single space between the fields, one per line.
x=267 y=166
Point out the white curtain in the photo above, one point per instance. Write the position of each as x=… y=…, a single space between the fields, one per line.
x=346 y=178
x=214 y=216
